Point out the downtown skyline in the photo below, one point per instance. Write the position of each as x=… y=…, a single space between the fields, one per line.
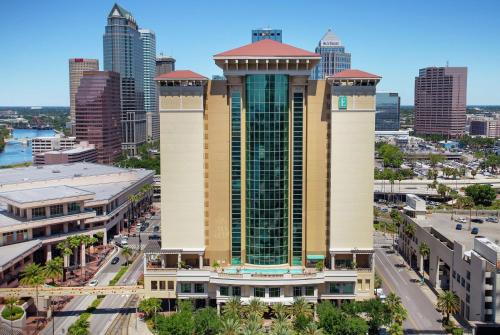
x=412 y=36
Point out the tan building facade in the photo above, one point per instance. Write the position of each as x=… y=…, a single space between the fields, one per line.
x=76 y=68
x=267 y=181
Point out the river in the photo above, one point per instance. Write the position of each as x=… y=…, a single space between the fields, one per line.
x=16 y=152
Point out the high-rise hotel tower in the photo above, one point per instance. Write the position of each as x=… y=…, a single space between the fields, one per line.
x=267 y=174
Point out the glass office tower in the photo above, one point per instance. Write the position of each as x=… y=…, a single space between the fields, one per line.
x=267 y=169
x=148 y=40
x=334 y=58
x=387 y=113
x=266 y=34
x=123 y=54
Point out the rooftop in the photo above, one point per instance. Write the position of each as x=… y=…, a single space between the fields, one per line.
x=11 y=252
x=354 y=74
x=443 y=224
x=43 y=194
x=267 y=48
x=181 y=74
x=106 y=191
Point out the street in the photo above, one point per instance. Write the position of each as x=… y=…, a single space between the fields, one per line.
x=422 y=315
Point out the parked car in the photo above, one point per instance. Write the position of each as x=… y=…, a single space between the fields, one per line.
x=115 y=260
x=143 y=228
x=477 y=220
x=93 y=282
x=475 y=231
x=138 y=226
x=458 y=226
x=492 y=219
x=156 y=229
x=154 y=237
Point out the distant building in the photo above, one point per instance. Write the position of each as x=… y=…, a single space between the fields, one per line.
x=164 y=64
x=76 y=68
x=82 y=152
x=484 y=126
x=334 y=58
x=49 y=143
x=440 y=101
x=267 y=34
x=123 y=54
x=148 y=40
x=98 y=113
x=388 y=110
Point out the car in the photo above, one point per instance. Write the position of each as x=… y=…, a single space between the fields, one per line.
x=477 y=220
x=492 y=219
x=156 y=229
x=124 y=242
x=93 y=282
x=385 y=210
x=458 y=226
x=475 y=231
x=143 y=228
x=154 y=237
x=115 y=260
x=138 y=226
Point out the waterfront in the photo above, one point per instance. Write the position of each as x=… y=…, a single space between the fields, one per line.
x=16 y=152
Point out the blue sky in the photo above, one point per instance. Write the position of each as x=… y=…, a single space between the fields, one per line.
x=392 y=38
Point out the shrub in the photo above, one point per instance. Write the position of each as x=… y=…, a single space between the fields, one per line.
x=12 y=314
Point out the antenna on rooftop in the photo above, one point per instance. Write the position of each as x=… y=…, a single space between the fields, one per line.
x=447 y=63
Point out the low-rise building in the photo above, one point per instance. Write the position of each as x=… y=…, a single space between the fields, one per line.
x=49 y=143
x=460 y=261
x=82 y=152
x=43 y=205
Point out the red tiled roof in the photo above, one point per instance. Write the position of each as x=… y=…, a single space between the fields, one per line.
x=358 y=74
x=181 y=74
x=267 y=48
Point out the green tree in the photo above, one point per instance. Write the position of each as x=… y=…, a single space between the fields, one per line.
x=280 y=311
x=127 y=253
x=377 y=313
x=80 y=327
x=206 y=321
x=442 y=190
x=33 y=276
x=10 y=303
x=66 y=252
x=334 y=321
x=233 y=308
x=409 y=229
x=150 y=306
x=312 y=329
x=449 y=303
x=424 y=251
x=466 y=203
x=435 y=159
x=301 y=307
x=391 y=155
x=395 y=329
x=229 y=326
x=53 y=269
x=257 y=307
x=482 y=194
x=180 y=323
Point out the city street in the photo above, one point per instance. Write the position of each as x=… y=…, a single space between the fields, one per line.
x=422 y=315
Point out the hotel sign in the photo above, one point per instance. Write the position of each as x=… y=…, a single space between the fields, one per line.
x=342 y=102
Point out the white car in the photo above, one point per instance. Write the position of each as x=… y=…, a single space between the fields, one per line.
x=93 y=282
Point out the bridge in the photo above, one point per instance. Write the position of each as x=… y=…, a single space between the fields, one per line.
x=52 y=291
x=23 y=141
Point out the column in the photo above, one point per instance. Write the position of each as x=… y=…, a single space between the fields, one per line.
x=29 y=214
x=354 y=260
x=105 y=237
x=201 y=261
x=83 y=260
x=179 y=260
x=47 y=211
x=218 y=308
x=48 y=230
x=48 y=256
x=65 y=209
x=65 y=227
x=332 y=261
x=75 y=256
x=30 y=234
x=80 y=224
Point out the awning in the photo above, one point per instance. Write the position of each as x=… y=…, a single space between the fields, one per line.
x=315 y=257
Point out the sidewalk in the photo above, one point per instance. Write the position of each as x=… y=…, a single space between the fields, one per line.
x=142 y=328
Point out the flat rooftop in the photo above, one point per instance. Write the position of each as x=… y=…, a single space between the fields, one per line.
x=43 y=194
x=11 y=252
x=61 y=171
x=444 y=225
x=106 y=191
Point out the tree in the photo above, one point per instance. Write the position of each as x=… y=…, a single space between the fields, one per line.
x=280 y=311
x=466 y=203
x=150 y=306
x=233 y=308
x=33 y=276
x=449 y=303
x=424 y=251
x=80 y=327
x=312 y=329
x=432 y=174
x=252 y=326
x=334 y=321
x=442 y=190
x=53 y=269
x=281 y=327
x=127 y=253
x=482 y=194
x=301 y=307
x=391 y=155
x=396 y=329
x=435 y=159
x=473 y=173
x=180 y=323
x=377 y=312
x=206 y=321
x=66 y=251
x=229 y=326
x=10 y=302
x=257 y=307
x=409 y=229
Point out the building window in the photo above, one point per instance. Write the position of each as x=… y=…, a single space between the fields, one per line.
x=199 y=288
x=185 y=287
x=56 y=210
x=467 y=287
x=463 y=282
x=309 y=291
x=342 y=288
x=259 y=292
x=467 y=298
x=267 y=169
x=224 y=291
x=297 y=177
x=458 y=278
x=74 y=207
x=468 y=275
x=235 y=177
x=274 y=292
x=297 y=291
x=154 y=285
x=453 y=274
x=367 y=284
x=162 y=285
x=170 y=285
x=38 y=212
x=236 y=291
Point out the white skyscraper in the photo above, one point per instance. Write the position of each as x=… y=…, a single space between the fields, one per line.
x=148 y=41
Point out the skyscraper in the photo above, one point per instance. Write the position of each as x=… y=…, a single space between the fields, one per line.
x=261 y=182
x=388 y=110
x=164 y=64
x=148 y=40
x=76 y=68
x=334 y=58
x=98 y=113
x=266 y=34
x=123 y=54
x=441 y=100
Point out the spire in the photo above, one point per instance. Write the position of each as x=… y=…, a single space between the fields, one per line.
x=119 y=11
x=330 y=39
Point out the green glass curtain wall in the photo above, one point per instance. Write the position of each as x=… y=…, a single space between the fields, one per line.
x=236 y=177
x=297 y=174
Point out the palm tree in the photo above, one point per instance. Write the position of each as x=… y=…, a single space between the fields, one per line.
x=66 y=251
x=392 y=301
x=466 y=203
x=233 y=308
x=257 y=307
x=399 y=314
x=33 y=276
x=301 y=307
x=410 y=229
x=282 y=328
x=395 y=329
x=10 y=302
x=449 y=303
x=312 y=329
x=53 y=269
x=280 y=311
x=229 y=326
x=127 y=253
x=150 y=306
x=473 y=173
x=424 y=251
x=253 y=326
